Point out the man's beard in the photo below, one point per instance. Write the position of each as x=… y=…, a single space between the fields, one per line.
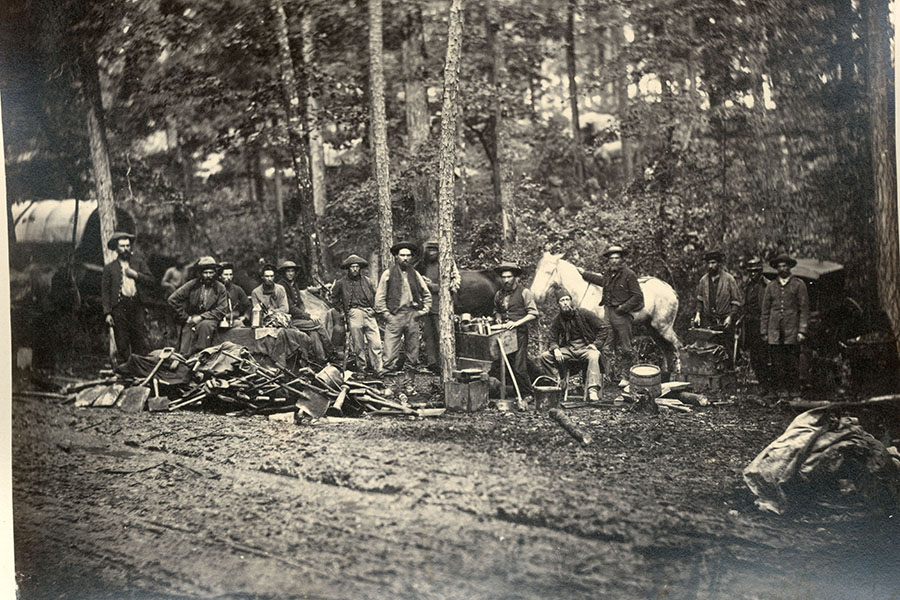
x=567 y=312
x=125 y=255
x=207 y=280
x=268 y=285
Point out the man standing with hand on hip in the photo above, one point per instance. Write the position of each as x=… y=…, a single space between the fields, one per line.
x=120 y=294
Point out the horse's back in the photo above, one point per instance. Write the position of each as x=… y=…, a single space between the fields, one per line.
x=660 y=301
x=476 y=293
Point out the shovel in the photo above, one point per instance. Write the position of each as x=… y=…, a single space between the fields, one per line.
x=135 y=398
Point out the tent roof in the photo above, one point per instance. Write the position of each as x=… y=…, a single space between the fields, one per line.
x=809 y=268
x=49 y=221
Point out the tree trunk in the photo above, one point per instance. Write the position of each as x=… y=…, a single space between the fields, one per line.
x=10 y=224
x=880 y=80
x=571 y=67
x=181 y=214
x=306 y=220
x=279 y=212
x=498 y=164
x=449 y=116
x=316 y=147
x=622 y=101
x=106 y=203
x=379 y=130
x=258 y=176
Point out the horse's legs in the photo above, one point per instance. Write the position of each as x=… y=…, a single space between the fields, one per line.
x=665 y=338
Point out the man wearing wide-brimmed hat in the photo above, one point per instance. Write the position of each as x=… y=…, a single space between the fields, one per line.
x=430 y=270
x=622 y=296
x=201 y=305
x=578 y=335
x=515 y=308
x=289 y=278
x=784 y=323
x=121 y=296
x=753 y=290
x=354 y=295
x=238 y=314
x=402 y=298
x=719 y=298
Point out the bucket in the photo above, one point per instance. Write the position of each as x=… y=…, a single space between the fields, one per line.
x=645 y=378
x=546 y=396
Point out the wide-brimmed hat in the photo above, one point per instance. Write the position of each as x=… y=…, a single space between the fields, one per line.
x=508 y=266
x=716 y=255
x=206 y=262
x=404 y=244
x=754 y=264
x=783 y=258
x=615 y=249
x=287 y=264
x=354 y=259
x=119 y=235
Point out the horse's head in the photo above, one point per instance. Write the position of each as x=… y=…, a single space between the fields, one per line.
x=545 y=275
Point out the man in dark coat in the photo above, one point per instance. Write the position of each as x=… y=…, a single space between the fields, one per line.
x=622 y=296
x=576 y=335
x=719 y=298
x=201 y=305
x=784 y=323
x=402 y=298
x=238 y=314
x=753 y=290
x=120 y=290
x=354 y=295
x=515 y=308
x=300 y=318
x=429 y=269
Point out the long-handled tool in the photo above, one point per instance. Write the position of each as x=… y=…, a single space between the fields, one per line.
x=521 y=403
x=136 y=398
x=113 y=349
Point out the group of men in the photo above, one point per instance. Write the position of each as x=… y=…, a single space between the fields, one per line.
x=774 y=314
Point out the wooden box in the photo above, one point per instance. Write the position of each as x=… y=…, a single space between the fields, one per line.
x=484 y=347
x=467 y=397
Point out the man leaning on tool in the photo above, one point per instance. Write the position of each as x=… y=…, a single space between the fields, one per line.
x=402 y=297
x=576 y=334
x=121 y=297
x=514 y=308
x=201 y=305
x=622 y=296
x=354 y=294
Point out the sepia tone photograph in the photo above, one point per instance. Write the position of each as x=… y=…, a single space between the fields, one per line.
x=449 y=299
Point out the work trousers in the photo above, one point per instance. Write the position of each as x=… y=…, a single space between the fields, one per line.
x=578 y=353
x=129 y=328
x=197 y=337
x=621 y=326
x=519 y=360
x=432 y=343
x=758 y=349
x=785 y=367
x=402 y=327
x=365 y=338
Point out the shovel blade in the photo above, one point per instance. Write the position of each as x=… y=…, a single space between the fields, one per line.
x=87 y=396
x=109 y=396
x=134 y=399
x=158 y=404
x=313 y=404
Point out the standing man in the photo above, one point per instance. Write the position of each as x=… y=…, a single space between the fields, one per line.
x=784 y=323
x=753 y=290
x=575 y=335
x=238 y=303
x=301 y=319
x=429 y=268
x=354 y=294
x=622 y=296
x=514 y=308
x=401 y=298
x=718 y=296
x=201 y=305
x=120 y=294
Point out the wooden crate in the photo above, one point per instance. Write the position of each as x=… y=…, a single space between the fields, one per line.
x=484 y=347
x=467 y=397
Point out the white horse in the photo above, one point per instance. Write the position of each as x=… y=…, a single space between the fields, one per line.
x=660 y=300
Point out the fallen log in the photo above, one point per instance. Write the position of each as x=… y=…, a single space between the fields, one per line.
x=566 y=423
x=36 y=394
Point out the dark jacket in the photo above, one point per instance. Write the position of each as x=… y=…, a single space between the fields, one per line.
x=240 y=303
x=753 y=291
x=785 y=308
x=111 y=281
x=295 y=301
x=186 y=301
x=363 y=296
x=621 y=289
x=584 y=324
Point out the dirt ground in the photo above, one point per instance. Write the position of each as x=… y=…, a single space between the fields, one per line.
x=493 y=504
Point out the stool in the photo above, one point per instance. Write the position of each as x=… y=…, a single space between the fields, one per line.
x=565 y=382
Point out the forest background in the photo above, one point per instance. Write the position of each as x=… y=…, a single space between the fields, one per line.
x=251 y=129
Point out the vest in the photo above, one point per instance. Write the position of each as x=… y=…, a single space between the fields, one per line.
x=394 y=288
x=516 y=309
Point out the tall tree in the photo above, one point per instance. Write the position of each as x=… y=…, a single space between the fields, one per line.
x=306 y=220
x=494 y=36
x=881 y=119
x=571 y=70
x=446 y=198
x=622 y=102
x=313 y=114
x=379 y=130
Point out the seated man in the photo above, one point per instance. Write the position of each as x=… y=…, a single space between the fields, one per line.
x=200 y=305
x=270 y=297
x=575 y=335
x=238 y=314
x=300 y=318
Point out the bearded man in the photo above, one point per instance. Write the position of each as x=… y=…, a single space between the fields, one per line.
x=576 y=335
x=238 y=303
x=718 y=295
x=402 y=297
x=201 y=305
x=300 y=319
x=269 y=296
x=120 y=293
x=514 y=308
x=784 y=324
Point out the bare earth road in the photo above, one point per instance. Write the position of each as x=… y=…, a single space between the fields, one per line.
x=489 y=505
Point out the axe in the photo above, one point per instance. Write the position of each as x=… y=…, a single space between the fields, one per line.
x=113 y=349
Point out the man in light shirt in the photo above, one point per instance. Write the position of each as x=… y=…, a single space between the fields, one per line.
x=121 y=297
x=402 y=298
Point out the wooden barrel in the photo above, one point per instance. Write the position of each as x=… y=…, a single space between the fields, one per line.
x=645 y=378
